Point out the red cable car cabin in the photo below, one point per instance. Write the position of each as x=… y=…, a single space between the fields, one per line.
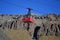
x=27 y=20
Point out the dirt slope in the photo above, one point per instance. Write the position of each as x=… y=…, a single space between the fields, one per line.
x=18 y=34
x=49 y=38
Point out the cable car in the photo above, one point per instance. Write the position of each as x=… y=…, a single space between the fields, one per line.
x=27 y=18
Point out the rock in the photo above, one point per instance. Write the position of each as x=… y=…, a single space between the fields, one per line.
x=49 y=24
x=3 y=36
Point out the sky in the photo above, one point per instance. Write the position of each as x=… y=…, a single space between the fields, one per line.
x=40 y=7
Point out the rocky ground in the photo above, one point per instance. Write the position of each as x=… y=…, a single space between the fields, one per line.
x=43 y=26
x=3 y=36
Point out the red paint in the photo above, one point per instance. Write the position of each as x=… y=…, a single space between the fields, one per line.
x=27 y=20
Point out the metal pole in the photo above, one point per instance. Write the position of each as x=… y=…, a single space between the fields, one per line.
x=29 y=12
x=28 y=26
x=28 y=16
